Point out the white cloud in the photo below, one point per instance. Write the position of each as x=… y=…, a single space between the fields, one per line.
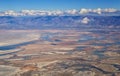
x=107 y=10
x=85 y=20
x=74 y=11
x=33 y=12
x=98 y=11
x=110 y=10
x=10 y=12
x=56 y=12
x=84 y=11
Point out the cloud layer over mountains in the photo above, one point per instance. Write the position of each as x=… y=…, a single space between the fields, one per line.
x=82 y=11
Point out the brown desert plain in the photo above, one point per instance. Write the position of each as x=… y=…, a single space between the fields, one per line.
x=59 y=53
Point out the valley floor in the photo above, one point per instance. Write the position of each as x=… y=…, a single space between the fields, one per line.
x=59 y=53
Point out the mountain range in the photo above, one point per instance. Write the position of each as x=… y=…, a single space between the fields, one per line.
x=58 y=22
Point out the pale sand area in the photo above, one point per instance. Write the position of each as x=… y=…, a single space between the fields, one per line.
x=6 y=53
x=9 y=51
x=8 y=70
x=12 y=38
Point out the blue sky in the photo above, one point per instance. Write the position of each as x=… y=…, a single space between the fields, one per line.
x=57 y=4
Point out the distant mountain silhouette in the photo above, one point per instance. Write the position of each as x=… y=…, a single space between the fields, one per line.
x=57 y=22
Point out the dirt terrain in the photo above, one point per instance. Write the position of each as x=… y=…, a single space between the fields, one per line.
x=62 y=53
